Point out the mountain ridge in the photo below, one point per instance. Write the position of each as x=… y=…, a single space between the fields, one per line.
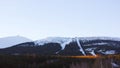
x=67 y=46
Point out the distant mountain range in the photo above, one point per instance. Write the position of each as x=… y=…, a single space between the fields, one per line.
x=61 y=46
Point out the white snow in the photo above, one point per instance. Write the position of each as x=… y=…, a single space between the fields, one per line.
x=65 y=43
x=61 y=40
x=13 y=40
x=102 y=43
x=81 y=49
x=109 y=52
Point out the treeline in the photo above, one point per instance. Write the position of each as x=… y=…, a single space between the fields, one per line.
x=36 y=61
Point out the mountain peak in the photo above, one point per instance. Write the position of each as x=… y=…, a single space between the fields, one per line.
x=12 y=40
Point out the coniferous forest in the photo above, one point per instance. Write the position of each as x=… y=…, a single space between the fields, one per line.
x=36 y=61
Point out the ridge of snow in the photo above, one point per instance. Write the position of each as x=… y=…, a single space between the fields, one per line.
x=13 y=40
x=61 y=40
x=51 y=40
x=81 y=49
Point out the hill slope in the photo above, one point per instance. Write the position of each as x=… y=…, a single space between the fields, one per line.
x=67 y=46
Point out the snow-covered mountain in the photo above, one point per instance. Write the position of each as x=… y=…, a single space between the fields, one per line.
x=61 y=40
x=64 y=39
x=62 y=46
x=13 y=40
x=85 y=44
x=67 y=46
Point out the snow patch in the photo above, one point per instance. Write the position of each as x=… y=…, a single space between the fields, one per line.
x=99 y=43
x=62 y=41
x=91 y=51
x=81 y=49
x=102 y=43
x=65 y=43
x=109 y=52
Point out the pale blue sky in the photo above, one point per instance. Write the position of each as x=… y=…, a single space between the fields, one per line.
x=36 y=19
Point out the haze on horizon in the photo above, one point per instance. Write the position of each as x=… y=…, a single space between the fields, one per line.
x=36 y=19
